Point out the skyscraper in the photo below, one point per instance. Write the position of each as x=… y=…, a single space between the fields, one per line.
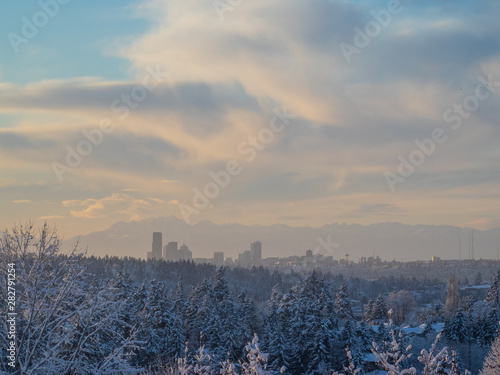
x=218 y=258
x=170 y=251
x=256 y=251
x=156 y=245
x=184 y=253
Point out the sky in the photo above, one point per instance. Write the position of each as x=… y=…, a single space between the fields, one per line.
x=251 y=112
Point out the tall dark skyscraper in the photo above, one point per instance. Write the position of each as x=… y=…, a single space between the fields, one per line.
x=256 y=251
x=157 y=245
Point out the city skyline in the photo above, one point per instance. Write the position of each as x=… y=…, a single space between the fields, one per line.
x=387 y=240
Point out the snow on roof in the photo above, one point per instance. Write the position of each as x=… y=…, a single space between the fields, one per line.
x=482 y=286
x=436 y=327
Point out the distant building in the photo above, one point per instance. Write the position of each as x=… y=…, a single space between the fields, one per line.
x=245 y=259
x=184 y=253
x=256 y=252
x=309 y=254
x=156 y=246
x=218 y=258
x=170 y=251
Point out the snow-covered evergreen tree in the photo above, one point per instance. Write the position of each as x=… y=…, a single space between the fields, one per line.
x=379 y=313
x=256 y=363
x=491 y=365
x=343 y=304
x=394 y=359
x=368 y=311
x=493 y=296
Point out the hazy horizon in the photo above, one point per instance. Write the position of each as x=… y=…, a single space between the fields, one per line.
x=389 y=241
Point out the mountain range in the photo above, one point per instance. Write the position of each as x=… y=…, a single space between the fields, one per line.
x=387 y=240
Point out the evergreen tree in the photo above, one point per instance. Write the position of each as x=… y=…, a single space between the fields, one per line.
x=452 y=292
x=178 y=299
x=221 y=290
x=351 y=342
x=368 y=311
x=198 y=310
x=256 y=363
x=491 y=327
x=493 y=296
x=379 y=314
x=247 y=316
x=156 y=321
x=491 y=365
x=343 y=304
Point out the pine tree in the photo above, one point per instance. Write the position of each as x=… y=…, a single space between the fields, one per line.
x=491 y=327
x=156 y=322
x=319 y=341
x=394 y=359
x=202 y=364
x=452 y=293
x=491 y=365
x=247 y=316
x=228 y=367
x=198 y=310
x=221 y=289
x=368 y=311
x=175 y=338
x=351 y=342
x=493 y=296
x=379 y=314
x=178 y=299
x=256 y=363
x=343 y=304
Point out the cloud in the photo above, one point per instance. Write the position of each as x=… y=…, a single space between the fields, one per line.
x=52 y=217
x=156 y=200
x=118 y=205
x=23 y=201
x=289 y=51
x=78 y=203
x=353 y=120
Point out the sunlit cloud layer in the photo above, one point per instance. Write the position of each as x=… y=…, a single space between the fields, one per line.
x=201 y=81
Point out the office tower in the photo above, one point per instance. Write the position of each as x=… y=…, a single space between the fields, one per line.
x=156 y=245
x=170 y=251
x=245 y=259
x=218 y=258
x=256 y=252
x=184 y=253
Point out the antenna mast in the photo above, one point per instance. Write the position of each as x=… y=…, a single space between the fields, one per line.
x=460 y=246
x=472 y=240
